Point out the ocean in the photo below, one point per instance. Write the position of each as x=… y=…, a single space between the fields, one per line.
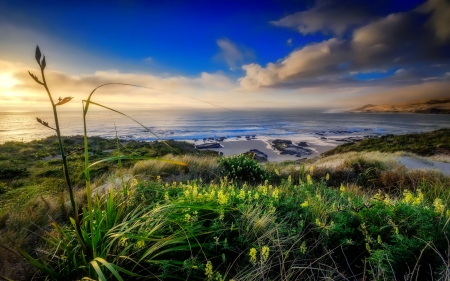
x=189 y=125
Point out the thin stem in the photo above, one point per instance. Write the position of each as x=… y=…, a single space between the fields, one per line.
x=64 y=159
x=88 y=178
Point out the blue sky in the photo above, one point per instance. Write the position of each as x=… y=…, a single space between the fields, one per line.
x=283 y=53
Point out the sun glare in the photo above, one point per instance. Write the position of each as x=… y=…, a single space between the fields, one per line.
x=6 y=81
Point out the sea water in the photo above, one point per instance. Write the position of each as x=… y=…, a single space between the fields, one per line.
x=199 y=124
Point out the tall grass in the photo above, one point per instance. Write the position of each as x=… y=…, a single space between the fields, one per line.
x=85 y=253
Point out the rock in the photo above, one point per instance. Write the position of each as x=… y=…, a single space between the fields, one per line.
x=258 y=155
x=220 y=139
x=208 y=145
x=280 y=144
x=286 y=147
x=303 y=144
x=323 y=138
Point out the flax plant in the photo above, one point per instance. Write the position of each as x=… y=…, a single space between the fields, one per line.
x=42 y=64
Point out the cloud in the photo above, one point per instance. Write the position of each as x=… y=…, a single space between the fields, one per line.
x=232 y=54
x=439 y=20
x=289 y=42
x=331 y=16
x=161 y=91
x=397 y=41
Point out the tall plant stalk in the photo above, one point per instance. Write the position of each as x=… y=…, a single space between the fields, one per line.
x=42 y=65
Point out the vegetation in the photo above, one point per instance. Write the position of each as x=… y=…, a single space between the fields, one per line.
x=353 y=216
x=425 y=144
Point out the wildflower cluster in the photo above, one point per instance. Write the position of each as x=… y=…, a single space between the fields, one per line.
x=411 y=198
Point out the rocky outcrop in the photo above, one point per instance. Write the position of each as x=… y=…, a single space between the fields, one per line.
x=287 y=147
x=433 y=106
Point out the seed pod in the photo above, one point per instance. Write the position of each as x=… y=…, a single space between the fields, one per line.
x=43 y=63
x=38 y=55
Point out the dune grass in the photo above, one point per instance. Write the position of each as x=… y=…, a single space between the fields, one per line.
x=424 y=144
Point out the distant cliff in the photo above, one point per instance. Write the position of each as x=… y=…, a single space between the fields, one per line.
x=433 y=106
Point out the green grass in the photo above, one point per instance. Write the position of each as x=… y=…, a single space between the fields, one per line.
x=424 y=144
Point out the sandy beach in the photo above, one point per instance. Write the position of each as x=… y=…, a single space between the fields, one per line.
x=234 y=146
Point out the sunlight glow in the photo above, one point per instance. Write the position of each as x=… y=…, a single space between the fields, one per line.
x=6 y=81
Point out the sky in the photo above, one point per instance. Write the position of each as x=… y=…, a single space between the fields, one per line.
x=334 y=54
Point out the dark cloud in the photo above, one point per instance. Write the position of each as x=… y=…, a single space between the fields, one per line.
x=334 y=16
x=414 y=41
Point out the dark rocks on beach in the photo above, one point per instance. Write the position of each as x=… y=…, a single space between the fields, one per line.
x=281 y=144
x=208 y=145
x=303 y=144
x=323 y=138
x=220 y=139
x=286 y=147
x=258 y=155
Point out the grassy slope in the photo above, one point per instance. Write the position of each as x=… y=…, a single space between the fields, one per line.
x=425 y=144
x=311 y=214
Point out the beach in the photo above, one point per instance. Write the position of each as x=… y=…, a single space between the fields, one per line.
x=235 y=146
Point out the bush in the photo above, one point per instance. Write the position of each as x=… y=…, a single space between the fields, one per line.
x=241 y=168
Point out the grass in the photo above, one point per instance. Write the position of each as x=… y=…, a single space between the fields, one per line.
x=425 y=144
x=351 y=216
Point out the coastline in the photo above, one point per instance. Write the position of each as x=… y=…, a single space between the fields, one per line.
x=235 y=146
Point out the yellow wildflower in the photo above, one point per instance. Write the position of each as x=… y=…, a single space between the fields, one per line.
x=304 y=204
x=209 y=270
x=140 y=244
x=308 y=179
x=241 y=194
x=252 y=255
x=342 y=188
x=277 y=172
x=327 y=177
x=275 y=194
x=419 y=198
x=439 y=207
x=222 y=199
x=264 y=253
x=311 y=170
x=166 y=196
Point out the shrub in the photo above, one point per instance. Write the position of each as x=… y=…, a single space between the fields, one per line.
x=241 y=168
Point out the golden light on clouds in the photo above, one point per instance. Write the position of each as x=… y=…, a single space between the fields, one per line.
x=6 y=81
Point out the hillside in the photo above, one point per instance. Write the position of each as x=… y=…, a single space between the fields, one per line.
x=434 y=106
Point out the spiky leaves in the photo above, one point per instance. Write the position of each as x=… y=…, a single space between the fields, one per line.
x=44 y=123
x=35 y=78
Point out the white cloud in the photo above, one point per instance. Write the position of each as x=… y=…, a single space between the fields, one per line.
x=289 y=42
x=232 y=54
x=309 y=62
